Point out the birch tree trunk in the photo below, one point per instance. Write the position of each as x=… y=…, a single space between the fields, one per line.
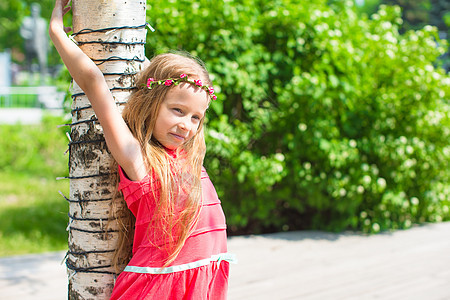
x=119 y=52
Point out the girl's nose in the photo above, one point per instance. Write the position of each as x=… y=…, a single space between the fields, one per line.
x=185 y=125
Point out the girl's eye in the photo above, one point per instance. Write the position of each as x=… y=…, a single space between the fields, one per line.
x=196 y=118
x=178 y=110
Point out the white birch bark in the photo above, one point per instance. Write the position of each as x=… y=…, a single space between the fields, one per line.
x=90 y=252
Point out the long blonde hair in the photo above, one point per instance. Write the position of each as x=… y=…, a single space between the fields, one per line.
x=178 y=180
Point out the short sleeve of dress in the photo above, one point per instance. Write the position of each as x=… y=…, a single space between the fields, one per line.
x=133 y=191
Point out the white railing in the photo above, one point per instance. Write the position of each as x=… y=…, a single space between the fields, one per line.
x=47 y=97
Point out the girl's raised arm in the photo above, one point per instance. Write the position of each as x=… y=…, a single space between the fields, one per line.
x=123 y=146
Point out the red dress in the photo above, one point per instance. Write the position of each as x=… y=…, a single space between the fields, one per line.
x=199 y=272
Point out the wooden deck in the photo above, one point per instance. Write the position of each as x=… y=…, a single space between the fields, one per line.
x=409 y=264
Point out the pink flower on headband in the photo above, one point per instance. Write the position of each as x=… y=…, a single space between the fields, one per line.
x=149 y=81
x=183 y=78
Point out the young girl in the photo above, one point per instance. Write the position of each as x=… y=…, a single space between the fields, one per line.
x=179 y=244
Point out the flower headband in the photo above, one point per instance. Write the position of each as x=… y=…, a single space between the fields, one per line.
x=151 y=82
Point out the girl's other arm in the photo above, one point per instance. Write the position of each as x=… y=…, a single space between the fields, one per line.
x=123 y=146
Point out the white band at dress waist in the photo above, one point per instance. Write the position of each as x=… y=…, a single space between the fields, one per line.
x=231 y=258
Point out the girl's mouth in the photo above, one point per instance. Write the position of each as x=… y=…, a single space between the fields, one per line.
x=178 y=137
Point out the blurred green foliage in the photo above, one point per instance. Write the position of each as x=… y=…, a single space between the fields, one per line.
x=34 y=149
x=12 y=13
x=33 y=215
x=367 y=7
x=326 y=119
x=415 y=14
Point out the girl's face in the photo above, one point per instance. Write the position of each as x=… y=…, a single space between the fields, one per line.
x=179 y=115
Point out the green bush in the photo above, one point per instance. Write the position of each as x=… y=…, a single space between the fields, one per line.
x=325 y=120
x=34 y=149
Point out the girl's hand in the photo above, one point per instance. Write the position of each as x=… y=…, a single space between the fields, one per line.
x=60 y=10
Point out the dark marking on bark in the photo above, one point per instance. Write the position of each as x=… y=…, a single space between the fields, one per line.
x=94 y=290
x=73 y=294
x=86 y=194
x=109 y=47
x=83 y=206
x=104 y=236
x=94 y=224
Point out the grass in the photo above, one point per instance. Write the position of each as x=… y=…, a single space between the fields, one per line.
x=33 y=215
